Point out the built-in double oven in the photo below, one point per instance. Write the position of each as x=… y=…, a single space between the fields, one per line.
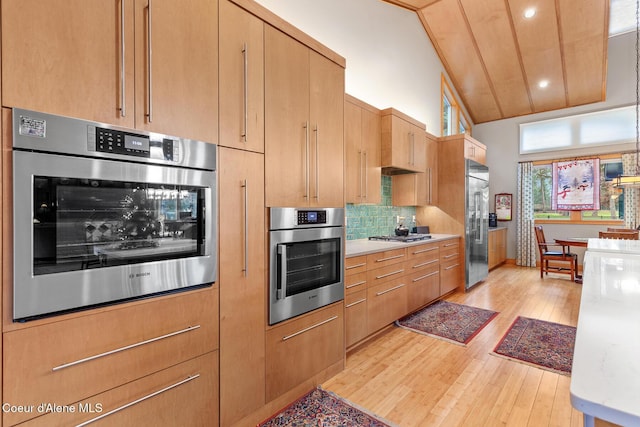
x=104 y=214
x=306 y=260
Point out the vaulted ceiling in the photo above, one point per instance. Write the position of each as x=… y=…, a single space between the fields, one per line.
x=497 y=58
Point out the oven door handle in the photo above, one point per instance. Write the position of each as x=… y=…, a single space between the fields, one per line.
x=281 y=289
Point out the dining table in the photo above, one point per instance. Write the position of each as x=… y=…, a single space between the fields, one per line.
x=580 y=242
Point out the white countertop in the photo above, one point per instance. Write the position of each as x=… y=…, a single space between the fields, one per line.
x=366 y=246
x=605 y=378
x=614 y=245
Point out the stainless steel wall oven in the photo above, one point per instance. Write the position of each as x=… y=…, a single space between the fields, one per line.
x=306 y=260
x=104 y=214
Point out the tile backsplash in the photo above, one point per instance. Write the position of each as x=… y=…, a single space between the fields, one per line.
x=377 y=220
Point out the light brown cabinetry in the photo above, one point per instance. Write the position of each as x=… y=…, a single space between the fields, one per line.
x=423 y=275
x=403 y=143
x=451 y=266
x=242 y=78
x=302 y=347
x=355 y=300
x=418 y=189
x=475 y=150
x=121 y=62
x=242 y=282
x=71 y=360
x=304 y=125
x=497 y=246
x=362 y=152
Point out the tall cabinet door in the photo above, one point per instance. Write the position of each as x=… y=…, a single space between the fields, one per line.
x=326 y=115
x=69 y=57
x=353 y=153
x=371 y=148
x=242 y=76
x=176 y=46
x=242 y=284
x=287 y=127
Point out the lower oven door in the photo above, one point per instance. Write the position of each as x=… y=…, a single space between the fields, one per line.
x=306 y=271
x=92 y=231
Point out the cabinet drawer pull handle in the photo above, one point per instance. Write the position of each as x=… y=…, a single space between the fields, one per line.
x=425 y=263
x=390 y=274
x=316 y=130
x=245 y=90
x=360 y=301
x=356 y=266
x=425 y=250
x=245 y=187
x=128 y=347
x=446 y=245
x=150 y=69
x=295 y=334
x=425 y=276
x=391 y=289
x=366 y=177
x=389 y=258
x=142 y=399
x=353 y=285
x=452 y=266
x=450 y=256
x=306 y=160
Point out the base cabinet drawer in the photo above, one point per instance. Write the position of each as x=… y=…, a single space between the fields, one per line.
x=386 y=303
x=183 y=395
x=423 y=287
x=303 y=347
x=450 y=274
x=355 y=317
x=70 y=360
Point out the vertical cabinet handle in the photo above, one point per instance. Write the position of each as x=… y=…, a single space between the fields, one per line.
x=245 y=270
x=306 y=159
x=366 y=177
x=360 y=184
x=245 y=89
x=123 y=106
x=149 y=58
x=317 y=132
x=430 y=187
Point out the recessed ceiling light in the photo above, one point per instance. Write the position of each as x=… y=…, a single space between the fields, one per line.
x=530 y=13
x=543 y=83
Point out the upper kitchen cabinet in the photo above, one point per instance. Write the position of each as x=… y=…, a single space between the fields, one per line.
x=403 y=143
x=242 y=77
x=362 y=151
x=151 y=65
x=475 y=150
x=418 y=189
x=304 y=124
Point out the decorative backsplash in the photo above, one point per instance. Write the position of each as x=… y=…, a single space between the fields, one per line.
x=377 y=220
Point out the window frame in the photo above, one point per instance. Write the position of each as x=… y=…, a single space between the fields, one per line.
x=458 y=116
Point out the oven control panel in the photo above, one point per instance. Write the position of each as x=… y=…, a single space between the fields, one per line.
x=312 y=217
x=131 y=144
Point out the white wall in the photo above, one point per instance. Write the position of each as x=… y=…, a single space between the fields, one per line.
x=502 y=137
x=390 y=60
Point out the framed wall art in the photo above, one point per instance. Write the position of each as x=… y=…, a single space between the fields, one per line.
x=503 y=206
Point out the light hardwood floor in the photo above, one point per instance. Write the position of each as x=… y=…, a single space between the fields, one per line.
x=415 y=380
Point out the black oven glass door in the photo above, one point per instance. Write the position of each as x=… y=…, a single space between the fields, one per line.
x=305 y=266
x=94 y=223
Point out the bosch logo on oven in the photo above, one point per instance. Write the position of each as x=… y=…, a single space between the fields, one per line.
x=139 y=275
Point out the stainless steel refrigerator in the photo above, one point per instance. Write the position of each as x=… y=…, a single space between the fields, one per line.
x=476 y=223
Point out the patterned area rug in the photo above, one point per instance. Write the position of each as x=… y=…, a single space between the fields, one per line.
x=456 y=323
x=321 y=408
x=543 y=344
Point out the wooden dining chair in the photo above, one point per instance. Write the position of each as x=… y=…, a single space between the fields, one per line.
x=562 y=261
x=626 y=235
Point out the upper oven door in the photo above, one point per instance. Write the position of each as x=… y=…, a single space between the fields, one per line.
x=90 y=231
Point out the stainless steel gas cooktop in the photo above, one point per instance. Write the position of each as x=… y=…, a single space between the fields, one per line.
x=410 y=238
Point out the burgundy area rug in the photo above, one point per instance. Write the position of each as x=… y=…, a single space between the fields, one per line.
x=453 y=322
x=321 y=408
x=539 y=343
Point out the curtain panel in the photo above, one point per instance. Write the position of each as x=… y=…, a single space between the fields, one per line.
x=526 y=246
x=631 y=195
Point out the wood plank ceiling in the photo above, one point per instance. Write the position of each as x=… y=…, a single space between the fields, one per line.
x=496 y=58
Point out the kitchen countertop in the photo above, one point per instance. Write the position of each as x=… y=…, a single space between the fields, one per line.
x=366 y=246
x=605 y=377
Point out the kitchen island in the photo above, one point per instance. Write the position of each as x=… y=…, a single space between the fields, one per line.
x=605 y=378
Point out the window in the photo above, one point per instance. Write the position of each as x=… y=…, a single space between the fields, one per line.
x=611 y=199
x=454 y=119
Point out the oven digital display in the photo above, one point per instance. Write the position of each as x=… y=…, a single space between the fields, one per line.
x=312 y=217
x=136 y=142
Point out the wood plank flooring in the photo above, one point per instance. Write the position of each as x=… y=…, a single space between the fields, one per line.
x=415 y=380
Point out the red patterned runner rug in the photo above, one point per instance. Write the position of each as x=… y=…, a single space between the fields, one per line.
x=546 y=345
x=452 y=322
x=321 y=408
